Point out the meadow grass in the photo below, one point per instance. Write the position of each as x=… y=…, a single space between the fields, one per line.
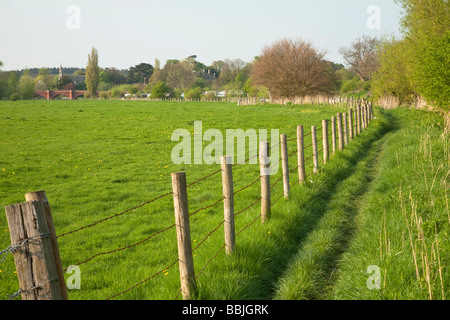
x=95 y=159
x=382 y=201
x=390 y=212
x=403 y=221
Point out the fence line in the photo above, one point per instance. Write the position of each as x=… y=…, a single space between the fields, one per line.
x=362 y=116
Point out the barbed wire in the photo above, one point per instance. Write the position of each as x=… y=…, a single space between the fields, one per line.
x=115 y=215
x=248 y=186
x=249 y=225
x=276 y=181
x=21 y=243
x=248 y=207
x=293 y=153
x=124 y=248
x=207 y=207
x=281 y=195
x=204 y=178
x=143 y=281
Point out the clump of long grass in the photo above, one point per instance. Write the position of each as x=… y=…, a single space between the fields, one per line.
x=423 y=239
x=425 y=251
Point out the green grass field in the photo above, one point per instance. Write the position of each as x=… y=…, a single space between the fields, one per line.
x=95 y=159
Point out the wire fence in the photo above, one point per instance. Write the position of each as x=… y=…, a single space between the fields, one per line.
x=330 y=141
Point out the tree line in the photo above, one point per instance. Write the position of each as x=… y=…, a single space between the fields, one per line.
x=412 y=67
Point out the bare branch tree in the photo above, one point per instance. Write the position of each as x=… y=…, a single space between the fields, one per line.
x=292 y=68
x=361 y=56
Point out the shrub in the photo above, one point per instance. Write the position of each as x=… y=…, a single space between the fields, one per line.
x=104 y=95
x=116 y=92
x=193 y=94
x=160 y=90
x=14 y=97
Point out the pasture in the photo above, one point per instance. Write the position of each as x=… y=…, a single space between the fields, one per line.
x=96 y=159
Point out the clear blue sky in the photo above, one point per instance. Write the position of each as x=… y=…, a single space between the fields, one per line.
x=125 y=33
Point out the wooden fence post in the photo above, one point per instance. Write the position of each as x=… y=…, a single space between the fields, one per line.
x=301 y=154
x=371 y=110
x=363 y=117
x=285 y=165
x=367 y=115
x=333 y=133
x=345 y=120
x=33 y=257
x=359 y=125
x=185 y=259
x=42 y=196
x=315 y=153
x=228 y=204
x=326 y=152
x=350 y=123
x=340 y=131
x=264 y=162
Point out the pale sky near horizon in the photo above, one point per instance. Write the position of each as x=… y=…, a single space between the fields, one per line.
x=35 y=34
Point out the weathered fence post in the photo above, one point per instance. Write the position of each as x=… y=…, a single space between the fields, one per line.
x=340 y=131
x=228 y=204
x=350 y=123
x=363 y=117
x=42 y=196
x=33 y=256
x=185 y=259
x=285 y=165
x=315 y=153
x=359 y=125
x=333 y=133
x=345 y=128
x=265 y=180
x=326 y=152
x=301 y=154
x=367 y=115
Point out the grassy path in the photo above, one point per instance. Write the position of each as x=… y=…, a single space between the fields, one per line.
x=312 y=271
x=384 y=231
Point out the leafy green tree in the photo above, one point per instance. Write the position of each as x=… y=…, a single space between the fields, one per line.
x=13 y=82
x=160 y=90
x=3 y=83
x=115 y=76
x=81 y=85
x=140 y=73
x=104 y=77
x=26 y=86
x=172 y=61
x=252 y=90
x=393 y=77
x=426 y=30
x=92 y=73
x=193 y=94
x=3 y=87
x=116 y=92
